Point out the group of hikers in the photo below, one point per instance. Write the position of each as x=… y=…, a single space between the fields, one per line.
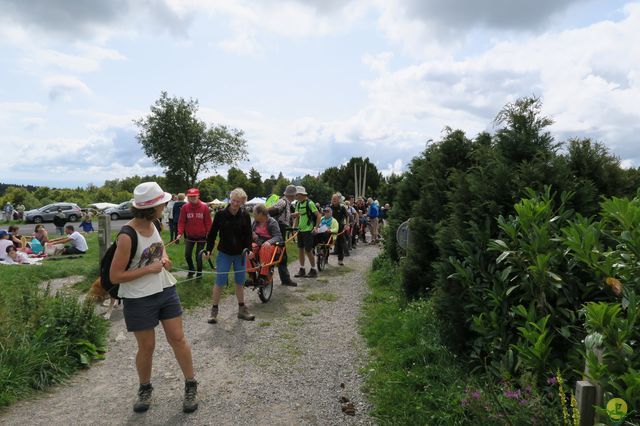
x=148 y=289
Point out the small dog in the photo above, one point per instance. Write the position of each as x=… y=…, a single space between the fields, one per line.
x=100 y=295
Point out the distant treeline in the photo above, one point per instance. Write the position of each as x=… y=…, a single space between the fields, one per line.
x=339 y=178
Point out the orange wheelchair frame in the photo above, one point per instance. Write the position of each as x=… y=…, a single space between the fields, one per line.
x=265 y=288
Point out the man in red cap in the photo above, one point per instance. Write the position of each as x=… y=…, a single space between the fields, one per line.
x=194 y=224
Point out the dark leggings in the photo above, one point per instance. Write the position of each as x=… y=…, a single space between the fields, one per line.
x=188 y=253
x=340 y=244
x=173 y=230
x=283 y=270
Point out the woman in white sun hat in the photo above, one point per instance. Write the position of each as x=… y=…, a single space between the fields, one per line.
x=149 y=293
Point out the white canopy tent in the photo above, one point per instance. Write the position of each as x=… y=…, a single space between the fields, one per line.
x=216 y=202
x=255 y=200
x=102 y=206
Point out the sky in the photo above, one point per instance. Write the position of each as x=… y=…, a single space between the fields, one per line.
x=312 y=83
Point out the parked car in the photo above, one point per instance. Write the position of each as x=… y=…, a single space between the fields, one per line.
x=46 y=213
x=122 y=211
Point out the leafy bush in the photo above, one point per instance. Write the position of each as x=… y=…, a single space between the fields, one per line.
x=45 y=342
x=413 y=378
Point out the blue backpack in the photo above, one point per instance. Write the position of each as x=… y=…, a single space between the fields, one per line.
x=36 y=246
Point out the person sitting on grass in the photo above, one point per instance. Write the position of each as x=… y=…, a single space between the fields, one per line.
x=328 y=226
x=15 y=256
x=5 y=241
x=265 y=233
x=41 y=234
x=78 y=243
x=15 y=237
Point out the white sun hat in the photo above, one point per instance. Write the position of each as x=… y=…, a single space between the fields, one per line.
x=149 y=194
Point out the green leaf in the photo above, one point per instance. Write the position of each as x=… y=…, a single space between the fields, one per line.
x=503 y=256
x=554 y=276
x=510 y=289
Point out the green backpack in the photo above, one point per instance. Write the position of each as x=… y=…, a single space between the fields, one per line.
x=271 y=200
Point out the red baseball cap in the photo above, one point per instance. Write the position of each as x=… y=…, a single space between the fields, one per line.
x=193 y=192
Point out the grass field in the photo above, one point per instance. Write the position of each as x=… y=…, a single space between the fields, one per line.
x=45 y=339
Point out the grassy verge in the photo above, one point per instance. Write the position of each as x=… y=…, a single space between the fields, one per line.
x=412 y=378
x=44 y=339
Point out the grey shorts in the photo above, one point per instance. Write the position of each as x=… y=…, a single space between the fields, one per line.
x=146 y=312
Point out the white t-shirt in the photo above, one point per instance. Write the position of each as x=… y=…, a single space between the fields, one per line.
x=78 y=241
x=4 y=243
x=149 y=249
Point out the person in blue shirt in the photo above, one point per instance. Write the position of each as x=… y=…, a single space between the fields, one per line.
x=373 y=213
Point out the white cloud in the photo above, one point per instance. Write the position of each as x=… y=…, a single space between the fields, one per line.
x=11 y=111
x=378 y=62
x=62 y=86
x=88 y=59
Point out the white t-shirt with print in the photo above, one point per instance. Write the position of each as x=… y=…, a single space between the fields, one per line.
x=149 y=250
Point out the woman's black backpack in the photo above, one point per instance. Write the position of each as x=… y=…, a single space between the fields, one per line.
x=105 y=262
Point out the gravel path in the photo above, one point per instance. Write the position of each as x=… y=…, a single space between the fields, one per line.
x=292 y=366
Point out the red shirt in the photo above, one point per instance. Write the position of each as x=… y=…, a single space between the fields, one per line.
x=195 y=220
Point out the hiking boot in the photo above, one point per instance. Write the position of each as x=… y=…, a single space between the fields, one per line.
x=301 y=273
x=190 y=275
x=144 y=398
x=199 y=274
x=190 y=401
x=312 y=273
x=341 y=263
x=290 y=283
x=213 y=318
x=243 y=313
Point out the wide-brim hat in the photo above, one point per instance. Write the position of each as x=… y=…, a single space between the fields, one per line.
x=291 y=190
x=148 y=195
x=300 y=190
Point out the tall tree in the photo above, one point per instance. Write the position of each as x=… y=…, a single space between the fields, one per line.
x=254 y=186
x=213 y=187
x=174 y=137
x=237 y=178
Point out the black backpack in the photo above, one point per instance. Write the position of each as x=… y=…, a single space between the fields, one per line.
x=105 y=262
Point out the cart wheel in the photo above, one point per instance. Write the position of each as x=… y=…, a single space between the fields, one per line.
x=264 y=293
x=320 y=260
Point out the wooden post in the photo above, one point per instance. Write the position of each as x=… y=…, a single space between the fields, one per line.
x=104 y=233
x=586 y=398
x=364 y=181
x=355 y=180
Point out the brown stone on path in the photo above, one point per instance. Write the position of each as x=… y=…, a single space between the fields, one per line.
x=349 y=409
x=344 y=399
